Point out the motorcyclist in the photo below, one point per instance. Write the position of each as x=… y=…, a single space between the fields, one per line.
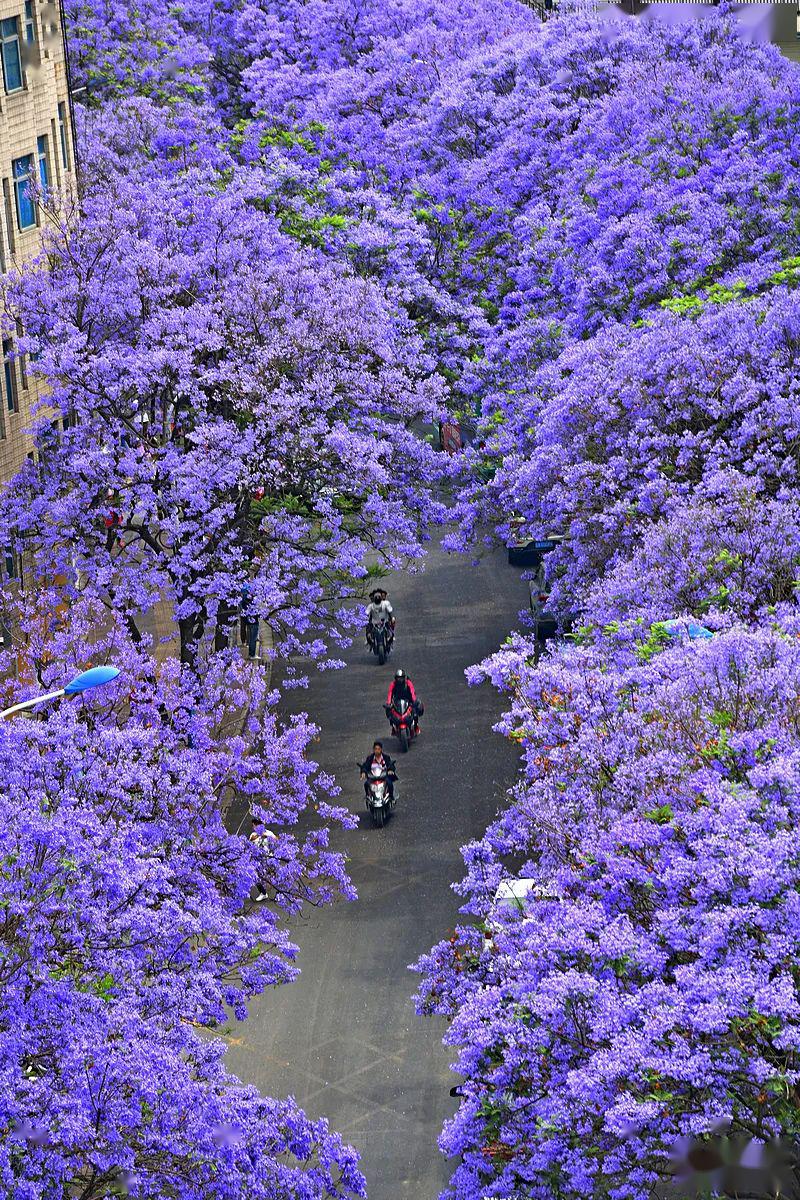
x=387 y=766
x=401 y=688
x=379 y=609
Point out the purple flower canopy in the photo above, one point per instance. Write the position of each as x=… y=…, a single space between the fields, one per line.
x=127 y=933
x=308 y=230
x=656 y=997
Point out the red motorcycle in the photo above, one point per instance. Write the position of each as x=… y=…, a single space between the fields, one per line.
x=404 y=720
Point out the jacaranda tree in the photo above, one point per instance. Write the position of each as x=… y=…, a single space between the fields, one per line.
x=232 y=413
x=305 y=230
x=649 y=992
x=126 y=934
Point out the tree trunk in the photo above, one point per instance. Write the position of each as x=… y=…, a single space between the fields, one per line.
x=191 y=630
x=133 y=630
x=222 y=631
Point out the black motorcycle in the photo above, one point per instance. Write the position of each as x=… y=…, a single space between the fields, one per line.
x=381 y=638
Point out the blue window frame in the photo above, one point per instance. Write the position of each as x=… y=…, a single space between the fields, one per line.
x=41 y=154
x=22 y=169
x=12 y=60
x=30 y=24
x=8 y=377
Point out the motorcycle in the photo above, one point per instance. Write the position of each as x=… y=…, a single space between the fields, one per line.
x=379 y=801
x=381 y=640
x=404 y=720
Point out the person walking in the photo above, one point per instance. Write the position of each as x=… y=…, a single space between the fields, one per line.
x=249 y=622
x=262 y=838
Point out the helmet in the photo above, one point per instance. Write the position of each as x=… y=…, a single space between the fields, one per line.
x=399 y=675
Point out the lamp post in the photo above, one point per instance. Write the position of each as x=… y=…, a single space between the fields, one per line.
x=94 y=677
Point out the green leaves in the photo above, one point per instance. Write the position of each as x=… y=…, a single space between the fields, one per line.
x=722 y=718
x=104 y=988
x=657 y=640
x=310 y=230
x=662 y=814
x=710 y=293
x=621 y=965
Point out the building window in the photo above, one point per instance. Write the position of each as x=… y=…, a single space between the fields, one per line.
x=9 y=376
x=22 y=170
x=11 y=563
x=21 y=359
x=9 y=380
x=30 y=24
x=9 y=215
x=55 y=161
x=62 y=133
x=41 y=153
x=12 y=62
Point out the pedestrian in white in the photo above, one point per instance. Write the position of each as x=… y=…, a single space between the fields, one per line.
x=263 y=839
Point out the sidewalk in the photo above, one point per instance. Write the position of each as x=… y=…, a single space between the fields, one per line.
x=160 y=624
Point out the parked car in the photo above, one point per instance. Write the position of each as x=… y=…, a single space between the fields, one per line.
x=545 y=622
x=529 y=552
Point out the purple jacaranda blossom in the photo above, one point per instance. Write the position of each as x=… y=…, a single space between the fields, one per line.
x=730 y=549
x=308 y=229
x=128 y=932
x=233 y=411
x=650 y=993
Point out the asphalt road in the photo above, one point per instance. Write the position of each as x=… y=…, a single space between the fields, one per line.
x=344 y=1039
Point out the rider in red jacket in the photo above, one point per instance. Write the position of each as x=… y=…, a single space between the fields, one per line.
x=401 y=688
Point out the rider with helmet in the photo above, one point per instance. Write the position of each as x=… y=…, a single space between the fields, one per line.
x=379 y=609
x=401 y=688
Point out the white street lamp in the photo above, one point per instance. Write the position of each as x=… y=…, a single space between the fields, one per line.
x=94 y=677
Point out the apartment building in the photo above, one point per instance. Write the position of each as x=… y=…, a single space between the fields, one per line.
x=36 y=144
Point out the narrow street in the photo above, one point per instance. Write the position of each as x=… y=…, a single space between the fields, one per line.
x=344 y=1039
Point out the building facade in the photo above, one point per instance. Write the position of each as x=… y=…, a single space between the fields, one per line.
x=36 y=153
